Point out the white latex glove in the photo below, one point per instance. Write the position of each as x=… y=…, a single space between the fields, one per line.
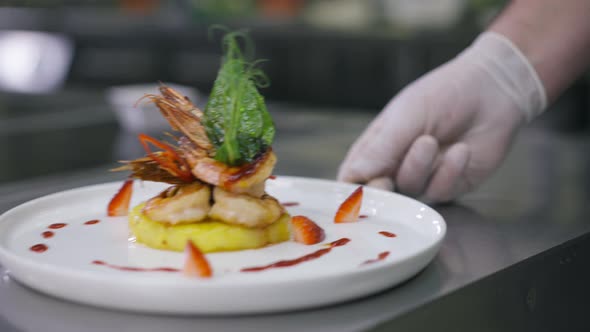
x=448 y=131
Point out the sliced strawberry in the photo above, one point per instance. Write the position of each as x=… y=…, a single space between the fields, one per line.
x=349 y=209
x=306 y=231
x=119 y=204
x=195 y=263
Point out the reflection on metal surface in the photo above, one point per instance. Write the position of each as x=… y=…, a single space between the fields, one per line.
x=33 y=62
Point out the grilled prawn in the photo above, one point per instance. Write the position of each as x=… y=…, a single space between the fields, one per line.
x=192 y=157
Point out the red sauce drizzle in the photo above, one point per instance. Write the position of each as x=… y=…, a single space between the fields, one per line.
x=57 y=225
x=363 y=216
x=287 y=204
x=92 y=222
x=379 y=258
x=306 y=258
x=135 y=269
x=39 y=248
x=47 y=234
x=387 y=234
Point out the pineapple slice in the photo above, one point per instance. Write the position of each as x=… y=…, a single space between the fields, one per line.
x=209 y=235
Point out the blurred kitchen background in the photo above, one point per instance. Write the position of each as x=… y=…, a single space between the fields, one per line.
x=71 y=71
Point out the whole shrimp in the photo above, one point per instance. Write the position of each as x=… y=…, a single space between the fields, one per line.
x=191 y=158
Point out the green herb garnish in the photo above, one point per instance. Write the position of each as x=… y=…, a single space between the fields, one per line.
x=236 y=119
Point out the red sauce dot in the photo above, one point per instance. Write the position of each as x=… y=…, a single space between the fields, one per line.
x=287 y=204
x=99 y=263
x=39 y=248
x=387 y=234
x=47 y=234
x=92 y=222
x=363 y=216
x=57 y=225
x=272 y=177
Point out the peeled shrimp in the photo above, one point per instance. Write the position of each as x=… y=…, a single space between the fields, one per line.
x=243 y=209
x=180 y=204
x=248 y=178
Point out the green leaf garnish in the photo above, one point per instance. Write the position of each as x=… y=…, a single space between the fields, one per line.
x=235 y=118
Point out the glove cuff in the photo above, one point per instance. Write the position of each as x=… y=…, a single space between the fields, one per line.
x=510 y=68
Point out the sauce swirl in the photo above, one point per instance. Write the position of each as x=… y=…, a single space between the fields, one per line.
x=291 y=262
x=135 y=269
x=379 y=258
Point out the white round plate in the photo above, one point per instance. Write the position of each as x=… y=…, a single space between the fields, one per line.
x=66 y=268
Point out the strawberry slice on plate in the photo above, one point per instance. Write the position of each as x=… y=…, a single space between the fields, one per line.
x=119 y=204
x=195 y=264
x=306 y=231
x=350 y=209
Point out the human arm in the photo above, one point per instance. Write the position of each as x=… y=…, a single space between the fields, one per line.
x=553 y=35
x=447 y=132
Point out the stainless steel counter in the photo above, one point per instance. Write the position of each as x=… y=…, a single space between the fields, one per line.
x=515 y=258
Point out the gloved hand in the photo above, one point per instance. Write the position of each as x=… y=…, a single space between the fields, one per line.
x=448 y=131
